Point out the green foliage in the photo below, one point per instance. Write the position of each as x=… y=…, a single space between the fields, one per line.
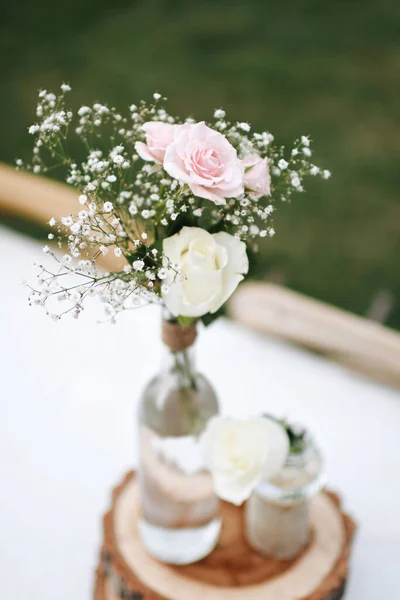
x=297 y=436
x=210 y=318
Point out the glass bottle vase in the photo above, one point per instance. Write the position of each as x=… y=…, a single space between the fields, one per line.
x=277 y=513
x=180 y=520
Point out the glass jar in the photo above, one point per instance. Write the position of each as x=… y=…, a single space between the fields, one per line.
x=277 y=513
x=180 y=520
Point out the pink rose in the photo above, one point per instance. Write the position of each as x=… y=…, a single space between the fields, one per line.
x=158 y=137
x=256 y=176
x=206 y=161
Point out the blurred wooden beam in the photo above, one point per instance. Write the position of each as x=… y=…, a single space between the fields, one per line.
x=353 y=341
x=37 y=199
x=33 y=197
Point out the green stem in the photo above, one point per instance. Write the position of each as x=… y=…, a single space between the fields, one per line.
x=188 y=371
x=184 y=368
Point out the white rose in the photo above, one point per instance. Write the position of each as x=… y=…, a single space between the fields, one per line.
x=210 y=267
x=241 y=453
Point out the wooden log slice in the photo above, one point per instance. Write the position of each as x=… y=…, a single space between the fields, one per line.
x=233 y=571
x=105 y=590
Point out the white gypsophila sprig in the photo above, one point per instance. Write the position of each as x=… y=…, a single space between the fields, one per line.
x=289 y=169
x=73 y=282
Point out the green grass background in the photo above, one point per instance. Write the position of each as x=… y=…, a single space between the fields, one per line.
x=329 y=69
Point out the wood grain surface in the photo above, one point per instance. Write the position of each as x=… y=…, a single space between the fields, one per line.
x=233 y=570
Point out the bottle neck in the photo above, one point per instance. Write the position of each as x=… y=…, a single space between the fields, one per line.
x=179 y=351
x=181 y=363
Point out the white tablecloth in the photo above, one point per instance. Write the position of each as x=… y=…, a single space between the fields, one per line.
x=69 y=392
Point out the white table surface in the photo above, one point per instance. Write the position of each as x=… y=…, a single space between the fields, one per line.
x=69 y=392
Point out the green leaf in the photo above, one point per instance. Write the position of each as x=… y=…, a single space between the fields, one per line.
x=297 y=439
x=210 y=318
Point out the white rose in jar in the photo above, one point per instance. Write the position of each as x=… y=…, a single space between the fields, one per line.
x=208 y=267
x=241 y=453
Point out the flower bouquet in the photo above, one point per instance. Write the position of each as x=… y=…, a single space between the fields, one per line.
x=181 y=205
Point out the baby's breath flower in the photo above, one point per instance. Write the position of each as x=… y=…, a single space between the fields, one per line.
x=162 y=273
x=150 y=275
x=283 y=164
x=138 y=265
x=219 y=113
x=118 y=159
x=67 y=221
x=84 y=110
x=75 y=227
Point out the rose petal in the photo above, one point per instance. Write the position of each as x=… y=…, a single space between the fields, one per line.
x=174 y=165
x=144 y=152
x=207 y=193
x=278 y=444
x=236 y=268
x=200 y=285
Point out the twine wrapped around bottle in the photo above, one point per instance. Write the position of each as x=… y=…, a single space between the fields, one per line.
x=177 y=337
